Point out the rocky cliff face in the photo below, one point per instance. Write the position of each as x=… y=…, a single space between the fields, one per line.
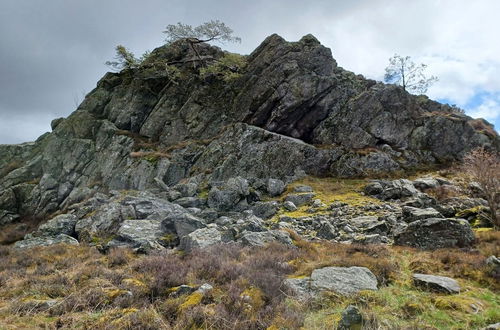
x=292 y=111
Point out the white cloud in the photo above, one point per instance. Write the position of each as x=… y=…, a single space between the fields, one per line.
x=489 y=110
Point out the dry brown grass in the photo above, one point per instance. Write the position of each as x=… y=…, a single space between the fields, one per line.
x=121 y=290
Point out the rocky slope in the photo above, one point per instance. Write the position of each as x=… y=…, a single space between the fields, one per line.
x=200 y=148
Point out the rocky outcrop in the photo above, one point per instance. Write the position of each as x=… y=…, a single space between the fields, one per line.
x=291 y=112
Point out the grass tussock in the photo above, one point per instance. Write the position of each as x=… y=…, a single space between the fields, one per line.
x=78 y=287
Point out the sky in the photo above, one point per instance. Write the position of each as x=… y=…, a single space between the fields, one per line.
x=53 y=52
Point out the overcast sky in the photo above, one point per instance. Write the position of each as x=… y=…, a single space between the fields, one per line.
x=52 y=52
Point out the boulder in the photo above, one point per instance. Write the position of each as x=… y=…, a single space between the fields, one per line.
x=436 y=233
x=351 y=319
x=188 y=202
x=411 y=214
x=369 y=224
x=373 y=188
x=264 y=237
x=275 y=187
x=200 y=238
x=436 y=283
x=289 y=206
x=45 y=241
x=61 y=224
x=426 y=183
x=300 y=199
x=140 y=235
x=302 y=188
x=265 y=210
x=342 y=280
x=222 y=200
x=183 y=224
x=327 y=231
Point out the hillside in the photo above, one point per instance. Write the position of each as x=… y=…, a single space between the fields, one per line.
x=273 y=192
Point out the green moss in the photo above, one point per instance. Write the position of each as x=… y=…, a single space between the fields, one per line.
x=228 y=68
x=192 y=300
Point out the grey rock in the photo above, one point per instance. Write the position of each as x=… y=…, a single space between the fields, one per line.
x=224 y=221
x=436 y=233
x=327 y=231
x=275 y=187
x=426 y=183
x=239 y=185
x=351 y=318
x=265 y=210
x=343 y=280
x=370 y=239
x=187 y=202
x=187 y=189
x=289 y=206
x=182 y=290
x=45 y=241
x=200 y=238
x=183 y=224
x=495 y=326
x=300 y=199
x=205 y=288
x=493 y=261
x=250 y=223
x=140 y=235
x=436 y=283
x=209 y=215
x=264 y=237
x=411 y=214
x=223 y=200
x=302 y=188
x=61 y=224
x=369 y=224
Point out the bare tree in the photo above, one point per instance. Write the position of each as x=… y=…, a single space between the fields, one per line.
x=214 y=30
x=483 y=167
x=403 y=71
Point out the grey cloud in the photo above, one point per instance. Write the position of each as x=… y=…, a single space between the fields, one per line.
x=51 y=51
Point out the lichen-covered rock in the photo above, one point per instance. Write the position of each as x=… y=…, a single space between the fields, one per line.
x=436 y=233
x=436 y=283
x=61 y=224
x=45 y=241
x=411 y=214
x=343 y=280
x=264 y=237
x=291 y=112
x=200 y=238
x=300 y=199
x=275 y=187
x=265 y=210
x=140 y=235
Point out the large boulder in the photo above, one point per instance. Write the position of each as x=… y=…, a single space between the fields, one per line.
x=300 y=199
x=343 y=280
x=61 y=224
x=45 y=241
x=436 y=233
x=140 y=235
x=200 y=238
